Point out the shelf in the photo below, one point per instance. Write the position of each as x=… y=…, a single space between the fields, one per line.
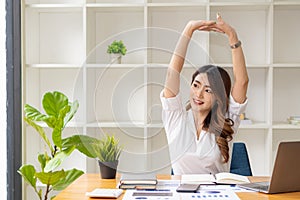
x=116 y=125
x=160 y=49
x=64 y=26
x=57 y=2
x=285 y=102
x=121 y=66
x=65 y=49
x=284 y=125
x=54 y=66
x=70 y=124
x=227 y=65
x=53 y=5
x=223 y=65
x=255 y=125
x=257 y=108
x=124 y=124
x=179 y=4
x=115 y=95
x=240 y=17
x=286 y=2
x=104 y=2
x=114 y=5
x=252 y=4
x=176 y=2
x=286 y=65
x=137 y=124
x=286 y=45
x=249 y=66
x=155 y=125
x=132 y=34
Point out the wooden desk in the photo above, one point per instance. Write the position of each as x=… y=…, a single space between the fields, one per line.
x=88 y=182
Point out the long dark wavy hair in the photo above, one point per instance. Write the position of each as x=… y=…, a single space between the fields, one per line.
x=216 y=121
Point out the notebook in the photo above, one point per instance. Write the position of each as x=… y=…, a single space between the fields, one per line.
x=286 y=171
x=138 y=181
x=219 y=178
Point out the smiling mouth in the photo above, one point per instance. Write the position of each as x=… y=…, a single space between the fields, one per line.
x=198 y=102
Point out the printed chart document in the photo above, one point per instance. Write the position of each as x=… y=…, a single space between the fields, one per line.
x=220 y=178
x=173 y=195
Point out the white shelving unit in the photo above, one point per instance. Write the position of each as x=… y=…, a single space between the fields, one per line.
x=64 y=48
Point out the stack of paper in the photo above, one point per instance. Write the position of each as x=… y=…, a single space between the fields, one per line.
x=138 y=181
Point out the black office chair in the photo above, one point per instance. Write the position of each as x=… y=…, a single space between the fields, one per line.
x=240 y=163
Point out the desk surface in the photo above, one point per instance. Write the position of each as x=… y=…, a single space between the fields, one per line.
x=88 y=182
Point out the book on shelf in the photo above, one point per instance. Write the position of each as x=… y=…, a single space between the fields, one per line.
x=246 y=122
x=138 y=181
x=295 y=120
x=219 y=178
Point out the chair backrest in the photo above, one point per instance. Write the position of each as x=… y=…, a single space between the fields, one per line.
x=240 y=163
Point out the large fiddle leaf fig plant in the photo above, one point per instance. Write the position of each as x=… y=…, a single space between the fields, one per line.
x=58 y=112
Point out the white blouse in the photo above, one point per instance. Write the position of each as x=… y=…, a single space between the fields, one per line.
x=189 y=155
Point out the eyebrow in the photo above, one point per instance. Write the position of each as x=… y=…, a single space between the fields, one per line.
x=200 y=83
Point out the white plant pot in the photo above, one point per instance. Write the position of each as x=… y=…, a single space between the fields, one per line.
x=115 y=58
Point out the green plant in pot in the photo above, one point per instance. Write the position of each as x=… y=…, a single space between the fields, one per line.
x=116 y=49
x=59 y=111
x=108 y=152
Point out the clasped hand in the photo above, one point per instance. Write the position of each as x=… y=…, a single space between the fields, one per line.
x=217 y=26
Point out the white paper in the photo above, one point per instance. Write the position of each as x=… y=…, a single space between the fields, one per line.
x=105 y=192
x=211 y=195
x=167 y=184
x=173 y=195
x=198 y=178
x=149 y=195
x=234 y=188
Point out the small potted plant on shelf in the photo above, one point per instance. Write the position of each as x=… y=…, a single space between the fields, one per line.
x=108 y=152
x=58 y=112
x=116 y=49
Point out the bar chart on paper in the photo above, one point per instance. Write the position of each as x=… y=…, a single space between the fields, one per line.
x=172 y=195
x=215 y=195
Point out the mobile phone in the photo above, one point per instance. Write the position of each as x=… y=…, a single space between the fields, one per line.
x=188 y=188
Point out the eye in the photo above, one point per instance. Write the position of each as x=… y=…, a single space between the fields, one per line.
x=195 y=85
x=208 y=90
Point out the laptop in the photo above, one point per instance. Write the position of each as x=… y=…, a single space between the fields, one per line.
x=286 y=171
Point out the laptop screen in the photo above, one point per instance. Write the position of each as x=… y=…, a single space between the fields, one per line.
x=286 y=170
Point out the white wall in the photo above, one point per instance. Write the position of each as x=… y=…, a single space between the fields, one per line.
x=3 y=193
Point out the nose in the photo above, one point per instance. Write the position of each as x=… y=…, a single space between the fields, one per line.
x=199 y=91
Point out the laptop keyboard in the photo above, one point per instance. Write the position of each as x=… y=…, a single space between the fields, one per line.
x=264 y=186
x=261 y=187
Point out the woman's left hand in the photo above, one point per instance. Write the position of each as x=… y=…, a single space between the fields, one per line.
x=223 y=27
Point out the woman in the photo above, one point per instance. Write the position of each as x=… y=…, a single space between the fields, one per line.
x=199 y=134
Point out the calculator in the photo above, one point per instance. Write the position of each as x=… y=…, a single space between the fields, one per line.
x=105 y=193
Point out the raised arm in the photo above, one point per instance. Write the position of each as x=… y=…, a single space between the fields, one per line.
x=172 y=83
x=240 y=85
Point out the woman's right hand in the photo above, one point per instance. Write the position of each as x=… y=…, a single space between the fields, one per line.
x=200 y=25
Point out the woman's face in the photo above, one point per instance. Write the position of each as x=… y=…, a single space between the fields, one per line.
x=201 y=95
